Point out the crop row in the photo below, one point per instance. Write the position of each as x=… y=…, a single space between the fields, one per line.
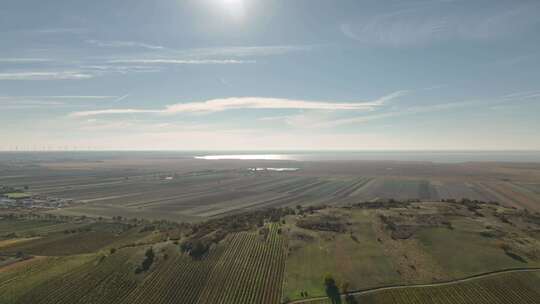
x=107 y=279
x=251 y=270
x=178 y=279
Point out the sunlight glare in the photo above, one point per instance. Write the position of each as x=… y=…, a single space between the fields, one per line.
x=234 y=8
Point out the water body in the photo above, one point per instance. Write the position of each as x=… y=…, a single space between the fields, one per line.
x=430 y=156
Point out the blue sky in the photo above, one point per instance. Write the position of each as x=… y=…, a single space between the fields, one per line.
x=261 y=74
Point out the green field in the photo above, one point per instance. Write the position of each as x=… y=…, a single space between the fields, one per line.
x=17 y=195
x=360 y=262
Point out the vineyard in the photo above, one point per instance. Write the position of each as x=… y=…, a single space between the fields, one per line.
x=509 y=288
x=102 y=279
x=250 y=271
x=279 y=255
x=73 y=239
x=246 y=267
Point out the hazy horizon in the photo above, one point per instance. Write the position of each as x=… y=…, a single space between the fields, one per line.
x=440 y=156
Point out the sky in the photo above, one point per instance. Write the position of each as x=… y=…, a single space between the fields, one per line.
x=269 y=75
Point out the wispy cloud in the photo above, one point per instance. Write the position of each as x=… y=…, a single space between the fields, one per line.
x=121 y=69
x=315 y=120
x=209 y=56
x=521 y=95
x=20 y=102
x=62 y=75
x=432 y=21
x=27 y=103
x=223 y=104
x=394 y=29
x=123 y=44
x=58 y=30
x=121 y=98
x=181 y=61
x=330 y=119
x=112 y=111
x=247 y=51
x=24 y=60
x=84 y=97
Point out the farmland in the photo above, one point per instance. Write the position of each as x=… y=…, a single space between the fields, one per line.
x=276 y=255
x=243 y=268
x=177 y=230
x=185 y=189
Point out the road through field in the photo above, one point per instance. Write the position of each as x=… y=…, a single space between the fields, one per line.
x=467 y=279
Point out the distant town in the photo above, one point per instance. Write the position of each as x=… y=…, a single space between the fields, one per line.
x=11 y=197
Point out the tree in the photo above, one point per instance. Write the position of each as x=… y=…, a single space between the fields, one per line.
x=198 y=249
x=147 y=262
x=332 y=291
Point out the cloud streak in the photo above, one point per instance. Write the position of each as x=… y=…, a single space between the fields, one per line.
x=235 y=103
x=24 y=60
x=433 y=21
x=62 y=75
x=85 y=97
x=311 y=120
x=247 y=51
x=181 y=61
x=16 y=102
x=123 y=44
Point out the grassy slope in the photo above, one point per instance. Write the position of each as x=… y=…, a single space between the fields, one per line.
x=360 y=263
x=463 y=253
x=510 y=288
x=460 y=252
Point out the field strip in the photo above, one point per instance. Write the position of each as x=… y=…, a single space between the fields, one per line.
x=85 y=201
x=13 y=176
x=61 y=186
x=9 y=242
x=452 y=282
x=501 y=197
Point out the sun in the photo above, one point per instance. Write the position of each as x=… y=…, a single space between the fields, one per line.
x=234 y=8
x=232 y=2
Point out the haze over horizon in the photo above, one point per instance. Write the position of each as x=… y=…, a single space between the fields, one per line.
x=269 y=75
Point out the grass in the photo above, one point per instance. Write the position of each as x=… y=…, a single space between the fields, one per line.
x=17 y=195
x=509 y=288
x=465 y=253
x=10 y=242
x=361 y=263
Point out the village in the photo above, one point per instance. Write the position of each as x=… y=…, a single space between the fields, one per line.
x=20 y=198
